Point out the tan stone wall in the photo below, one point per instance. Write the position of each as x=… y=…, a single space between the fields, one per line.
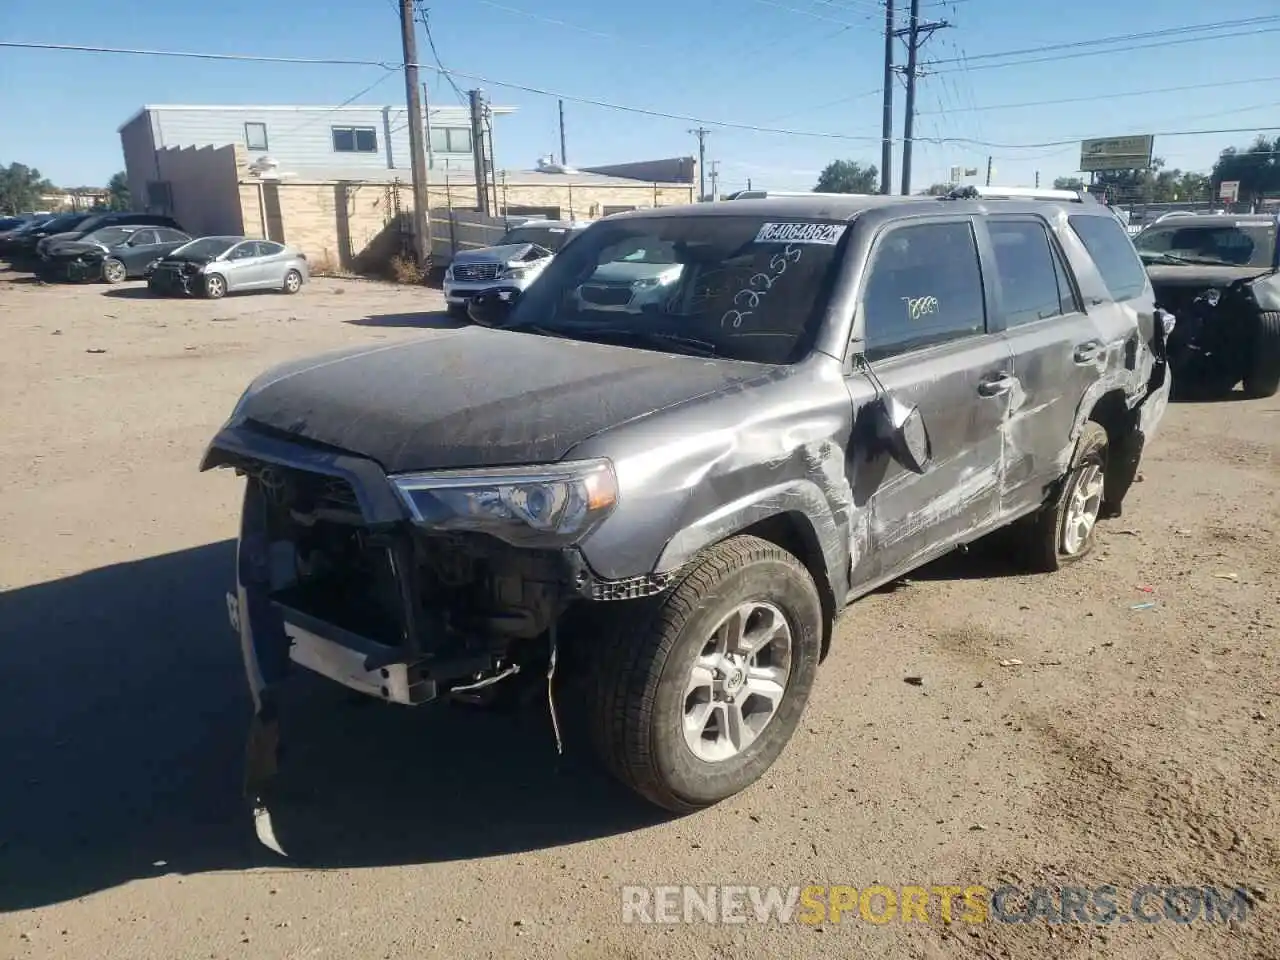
x=356 y=225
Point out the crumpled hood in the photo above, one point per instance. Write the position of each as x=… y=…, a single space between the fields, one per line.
x=501 y=254
x=622 y=271
x=476 y=397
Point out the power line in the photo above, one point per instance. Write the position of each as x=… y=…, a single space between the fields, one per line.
x=588 y=101
x=192 y=55
x=1120 y=38
x=819 y=16
x=1096 y=53
x=566 y=25
x=1109 y=96
x=387 y=74
x=431 y=42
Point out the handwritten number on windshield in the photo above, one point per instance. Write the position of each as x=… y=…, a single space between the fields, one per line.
x=758 y=285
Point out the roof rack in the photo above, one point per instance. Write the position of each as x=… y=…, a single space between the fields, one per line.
x=1019 y=193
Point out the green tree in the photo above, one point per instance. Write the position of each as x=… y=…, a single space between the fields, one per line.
x=1068 y=183
x=21 y=188
x=118 y=192
x=846 y=176
x=1257 y=168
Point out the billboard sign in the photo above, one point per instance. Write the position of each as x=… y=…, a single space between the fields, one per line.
x=1229 y=191
x=1116 y=153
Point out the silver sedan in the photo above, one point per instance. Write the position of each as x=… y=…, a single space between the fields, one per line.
x=215 y=266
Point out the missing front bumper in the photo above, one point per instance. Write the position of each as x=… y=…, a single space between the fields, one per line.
x=356 y=662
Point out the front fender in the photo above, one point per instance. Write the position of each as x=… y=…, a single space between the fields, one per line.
x=799 y=500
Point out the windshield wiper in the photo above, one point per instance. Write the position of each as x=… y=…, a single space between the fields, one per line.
x=657 y=338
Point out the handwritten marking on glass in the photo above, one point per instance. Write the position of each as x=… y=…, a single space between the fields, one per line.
x=758 y=284
x=918 y=307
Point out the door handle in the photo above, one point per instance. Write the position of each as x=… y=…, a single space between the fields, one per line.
x=1087 y=352
x=996 y=386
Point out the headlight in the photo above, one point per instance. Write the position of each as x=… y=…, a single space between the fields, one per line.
x=556 y=504
x=516 y=272
x=448 y=272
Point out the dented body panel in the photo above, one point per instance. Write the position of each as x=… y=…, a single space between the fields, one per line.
x=701 y=448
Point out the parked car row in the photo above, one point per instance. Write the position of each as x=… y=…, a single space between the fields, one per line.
x=115 y=247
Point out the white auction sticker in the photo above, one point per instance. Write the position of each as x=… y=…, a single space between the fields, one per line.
x=828 y=234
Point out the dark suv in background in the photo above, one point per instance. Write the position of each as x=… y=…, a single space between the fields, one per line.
x=671 y=502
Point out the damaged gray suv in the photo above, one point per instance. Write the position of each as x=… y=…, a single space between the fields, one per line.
x=669 y=501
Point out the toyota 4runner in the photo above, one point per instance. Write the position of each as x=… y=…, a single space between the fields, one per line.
x=670 y=504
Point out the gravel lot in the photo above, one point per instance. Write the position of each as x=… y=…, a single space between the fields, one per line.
x=1126 y=746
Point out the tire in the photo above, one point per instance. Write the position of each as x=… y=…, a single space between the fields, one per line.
x=1048 y=541
x=215 y=286
x=113 y=271
x=642 y=694
x=292 y=282
x=1263 y=378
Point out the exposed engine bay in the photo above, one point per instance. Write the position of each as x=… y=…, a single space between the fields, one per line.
x=455 y=611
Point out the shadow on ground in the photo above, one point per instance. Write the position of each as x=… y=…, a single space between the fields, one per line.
x=140 y=292
x=123 y=709
x=438 y=320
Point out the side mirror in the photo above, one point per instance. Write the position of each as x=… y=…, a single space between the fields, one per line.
x=903 y=431
x=492 y=307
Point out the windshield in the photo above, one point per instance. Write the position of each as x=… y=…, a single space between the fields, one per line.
x=553 y=238
x=110 y=236
x=206 y=247
x=727 y=286
x=63 y=222
x=1231 y=243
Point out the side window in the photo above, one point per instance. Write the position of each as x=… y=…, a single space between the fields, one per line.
x=172 y=236
x=244 y=251
x=1113 y=252
x=143 y=238
x=267 y=248
x=1030 y=284
x=924 y=287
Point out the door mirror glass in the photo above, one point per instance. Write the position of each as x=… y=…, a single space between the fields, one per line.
x=903 y=431
x=492 y=307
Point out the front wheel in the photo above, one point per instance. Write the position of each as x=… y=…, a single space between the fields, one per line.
x=1064 y=531
x=693 y=703
x=113 y=271
x=1263 y=378
x=215 y=288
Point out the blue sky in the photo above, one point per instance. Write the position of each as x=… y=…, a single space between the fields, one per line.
x=811 y=66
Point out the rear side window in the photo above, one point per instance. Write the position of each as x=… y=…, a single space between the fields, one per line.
x=267 y=248
x=924 y=287
x=1113 y=253
x=1034 y=282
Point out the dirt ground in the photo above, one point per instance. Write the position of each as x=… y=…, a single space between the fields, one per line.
x=1060 y=733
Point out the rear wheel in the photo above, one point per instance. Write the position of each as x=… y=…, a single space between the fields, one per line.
x=1063 y=532
x=113 y=271
x=694 y=702
x=1263 y=378
x=215 y=287
x=292 y=281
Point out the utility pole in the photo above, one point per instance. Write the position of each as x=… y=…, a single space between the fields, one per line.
x=886 y=126
x=417 y=137
x=715 y=180
x=476 y=98
x=1037 y=179
x=748 y=183
x=917 y=33
x=564 y=155
x=701 y=134
x=989 y=171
